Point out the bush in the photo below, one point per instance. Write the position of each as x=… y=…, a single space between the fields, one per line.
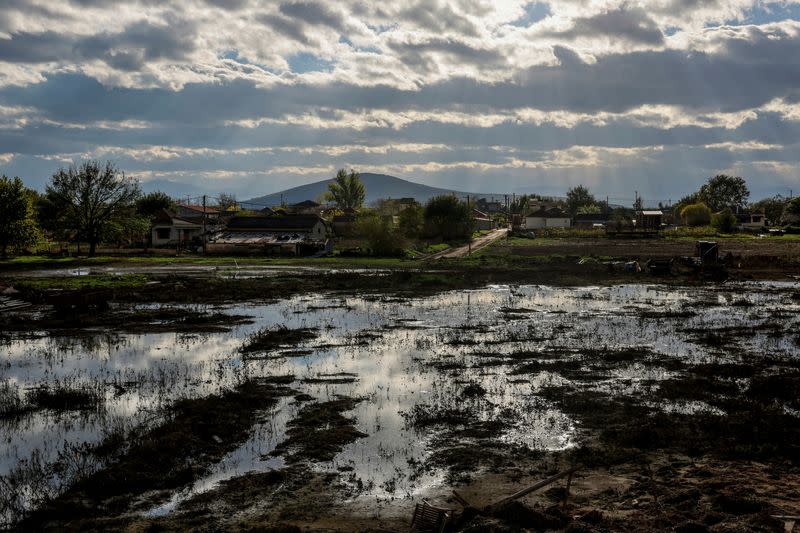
x=696 y=215
x=791 y=213
x=724 y=221
x=382 y=237
x=448 y=218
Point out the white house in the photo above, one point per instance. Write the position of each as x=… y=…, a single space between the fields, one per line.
x=553 y=217
x=751 y=221
x=171 y=229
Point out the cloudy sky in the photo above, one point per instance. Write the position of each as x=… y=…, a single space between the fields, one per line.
x=250 y=97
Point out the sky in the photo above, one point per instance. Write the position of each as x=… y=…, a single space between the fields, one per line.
x=251 y=97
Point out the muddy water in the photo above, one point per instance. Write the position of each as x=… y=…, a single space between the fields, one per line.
x=397 y=355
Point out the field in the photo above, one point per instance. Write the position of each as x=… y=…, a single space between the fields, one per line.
x=284 y=395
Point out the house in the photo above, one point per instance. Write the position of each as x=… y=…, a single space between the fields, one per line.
x=491 y=207
x=290 y=234
x=548 y=217
x=306 y=207
x=649 y=220
x=394 y=206
x=590 y=220
x=171 y=229
x=192 y=211
x=751 y=221
x=344 y=225
x=482 y=220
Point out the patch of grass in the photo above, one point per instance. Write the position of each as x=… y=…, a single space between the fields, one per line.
x=269 y=339
x=40 y=285
x=64 y=398
x=320 y=431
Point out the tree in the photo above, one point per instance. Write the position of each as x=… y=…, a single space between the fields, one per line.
x=771 y=207
x=152 y=203
x=592 y=209
x=724 y=221
x=448 y=218
x=683 y=202
x=346 y=190
x=791 y=213
x=696 y=215
x=227 y=202
x=89 y=196
x=17 y=227
x=724 y=191
x=578 y=197
x=383 y=238
x=411 y=221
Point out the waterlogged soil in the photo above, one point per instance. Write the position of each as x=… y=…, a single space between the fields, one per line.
x=679 y=403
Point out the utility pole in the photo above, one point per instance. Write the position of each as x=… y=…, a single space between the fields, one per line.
x=204 y=223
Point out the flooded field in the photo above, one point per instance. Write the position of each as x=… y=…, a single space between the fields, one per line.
x=417 y=395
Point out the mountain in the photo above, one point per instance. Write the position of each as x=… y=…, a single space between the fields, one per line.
x=377 y=186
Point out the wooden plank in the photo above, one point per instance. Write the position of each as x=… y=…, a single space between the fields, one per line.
x=533 y=488
x=463 y=501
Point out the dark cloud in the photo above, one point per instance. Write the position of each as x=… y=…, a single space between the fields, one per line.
x=313 y=13
x=437 y=17
x=417 y=54
x=126 y=50
x=287 y=27
x=625 y=24
x=616 y=83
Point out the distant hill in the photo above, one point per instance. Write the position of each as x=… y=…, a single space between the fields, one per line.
x=377 y=185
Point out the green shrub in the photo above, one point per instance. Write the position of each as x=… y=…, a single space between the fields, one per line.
x=724 y=221
x=696 y=215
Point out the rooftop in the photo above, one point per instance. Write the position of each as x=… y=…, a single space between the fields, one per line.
x=275 y=223
x=199 y=209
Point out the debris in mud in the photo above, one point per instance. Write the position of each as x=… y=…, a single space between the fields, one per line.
x=319 y=431
x=270 y=339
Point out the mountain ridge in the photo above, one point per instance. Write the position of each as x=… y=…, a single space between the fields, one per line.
x=377 y=186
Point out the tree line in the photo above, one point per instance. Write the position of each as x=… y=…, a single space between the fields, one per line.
x=89 y=202
x=95 y=202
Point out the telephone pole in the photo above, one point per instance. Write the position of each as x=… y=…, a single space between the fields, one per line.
x=204 y=223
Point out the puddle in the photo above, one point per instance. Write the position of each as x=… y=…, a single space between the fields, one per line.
x=396 y=355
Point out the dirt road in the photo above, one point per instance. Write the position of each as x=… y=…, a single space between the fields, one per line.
x=476 y=244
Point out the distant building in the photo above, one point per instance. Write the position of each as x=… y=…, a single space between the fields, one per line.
x=344 y=225
x=649 y=219
x=483 y=221
x=191 y=211
x=590 y=220
x=544 y=217
x=491 y=207
x=306 y=207
x=394 y=206
x=290 y=234
x=751 y=221
x=171 y=229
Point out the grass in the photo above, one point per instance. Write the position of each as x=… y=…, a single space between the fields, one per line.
x=81 y=282
x=267 y=339
x=434 y=248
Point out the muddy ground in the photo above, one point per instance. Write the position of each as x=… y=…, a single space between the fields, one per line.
x=725 y=455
